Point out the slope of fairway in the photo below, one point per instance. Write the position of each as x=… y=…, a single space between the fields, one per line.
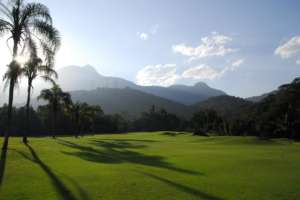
x=150 y=166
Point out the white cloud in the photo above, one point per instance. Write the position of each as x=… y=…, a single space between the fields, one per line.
x=298 y=62
x=204 y=71
x=166 y=75
x=143 y=36
x=162 y=75
x=214 y=45
x=201 y=72
x=289 y=49
x=146 y=35
x=234 y=65
x=238 y=63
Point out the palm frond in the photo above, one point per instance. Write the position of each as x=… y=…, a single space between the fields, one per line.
x=48 y=33
x=4 y=26
x=48 y=71
x=46 y=94
x=30 y=27
x=66 y=98
x=49 y=54
x=48 y=79
x=32 y=46
x=13 y=73
x=33 y=11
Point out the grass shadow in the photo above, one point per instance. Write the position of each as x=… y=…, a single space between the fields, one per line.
x=173 y=134
x=183 y=188
x=129 y=140
x=118 y=144
x=117 y=154
x=82 y=193
x=2 y=165
x=59 y=186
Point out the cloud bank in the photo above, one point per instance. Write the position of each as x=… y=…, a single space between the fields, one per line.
x=214 y=45
x=163 y=75
x=166 y=75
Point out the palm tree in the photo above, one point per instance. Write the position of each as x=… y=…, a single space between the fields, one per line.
x=74 y=114
x=35 y=68
x=57 y=101
x=24 y=24
x=83 y=116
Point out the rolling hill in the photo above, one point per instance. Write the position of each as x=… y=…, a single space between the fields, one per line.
x=127 y=101
x=228 y=106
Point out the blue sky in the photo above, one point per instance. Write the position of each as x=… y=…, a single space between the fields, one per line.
x=231 y=45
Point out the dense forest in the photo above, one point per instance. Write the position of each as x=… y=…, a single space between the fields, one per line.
x=277 y=115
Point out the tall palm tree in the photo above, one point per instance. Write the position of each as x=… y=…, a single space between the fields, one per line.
x=24 y=23
x=35 y=68
x=57 y=100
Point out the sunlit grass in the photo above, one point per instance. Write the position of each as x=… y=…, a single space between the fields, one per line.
x=151 y=166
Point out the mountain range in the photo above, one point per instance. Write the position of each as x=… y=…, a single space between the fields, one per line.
x=117 y=95
x=73 y=78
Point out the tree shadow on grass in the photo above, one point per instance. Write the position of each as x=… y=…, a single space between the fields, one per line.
x=59 y=186
x=183 y=188
x=2 y=165
x=82 y=193
x=117 y=144
x=129 y=140
x=117 y=154
x=173 y=134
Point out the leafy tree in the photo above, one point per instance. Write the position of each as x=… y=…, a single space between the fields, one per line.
x=57 y=101
x=83 y=116
x=24 y=24
x=155 y=120
x=207 y=120
x=279 y=114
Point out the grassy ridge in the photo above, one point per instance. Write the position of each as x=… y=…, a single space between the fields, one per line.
x=151 y=166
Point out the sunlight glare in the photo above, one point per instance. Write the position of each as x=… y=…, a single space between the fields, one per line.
x=21 y=59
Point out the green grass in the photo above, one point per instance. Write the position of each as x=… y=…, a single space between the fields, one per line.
x=151 y=166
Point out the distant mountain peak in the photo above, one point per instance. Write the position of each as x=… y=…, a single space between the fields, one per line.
x=87 y=78
x=201 y=84
x=91 y=69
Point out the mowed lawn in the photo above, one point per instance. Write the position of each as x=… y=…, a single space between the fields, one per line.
x=154 y=166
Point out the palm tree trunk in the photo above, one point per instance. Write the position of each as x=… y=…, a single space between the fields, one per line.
x=25 y=140
x=10 y=99
x=9 y=114
x=54 y=124
x=77 y=127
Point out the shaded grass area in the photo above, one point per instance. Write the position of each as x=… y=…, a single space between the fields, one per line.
x=161 y=165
